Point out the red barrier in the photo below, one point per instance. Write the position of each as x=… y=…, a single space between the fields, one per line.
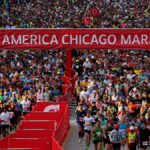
x=62 y=99
x=66 y=80
x=69 y=95
x=68 y=87
x=67 y=84
x=43 y=116
x=73 y=81
x=29 y=143
x=64 y=87
x=35 y=124
x=33 y=133
x=21 y=149
x=40 y=106
x=63 y=127
x=55 y=145
x=3 y=143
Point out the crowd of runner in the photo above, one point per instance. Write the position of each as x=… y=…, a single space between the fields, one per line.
x=113 y=96
x=25 y=78
x=113 y=90
x=74 y=13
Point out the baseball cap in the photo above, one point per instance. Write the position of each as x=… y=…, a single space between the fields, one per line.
x=116 y=126
x=131 y=128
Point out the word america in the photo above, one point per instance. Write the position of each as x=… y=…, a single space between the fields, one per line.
x=77 y=39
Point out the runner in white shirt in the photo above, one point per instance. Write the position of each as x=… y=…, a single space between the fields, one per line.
x=40 y=95
x=5 y=117
x=85 y=94
x=93 y=97
x=88 y=126
x=26 y=104
x=87 y=64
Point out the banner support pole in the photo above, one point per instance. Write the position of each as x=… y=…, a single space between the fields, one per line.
x=68 y=72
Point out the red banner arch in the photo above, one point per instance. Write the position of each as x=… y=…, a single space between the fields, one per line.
x=74 y=38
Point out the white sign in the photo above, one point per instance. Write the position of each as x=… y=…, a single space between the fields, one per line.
x=52 y=108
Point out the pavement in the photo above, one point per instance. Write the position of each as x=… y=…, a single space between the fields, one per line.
x=72 y=140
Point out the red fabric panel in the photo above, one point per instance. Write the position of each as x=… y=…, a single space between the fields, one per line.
x=37 y=125
x=55 y=145
x=34 y=134
x=66 y=80
x=63 y=127
x=40 y=106
x=62 y=99
x=64 y=87
x=43 y=116
x=28 y=143
x=4 y=143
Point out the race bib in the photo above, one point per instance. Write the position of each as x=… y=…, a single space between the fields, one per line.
x=145 y=143
x=88 y=124
x=77 y=67
x=81 y=119
x=131 y=111
x=98 y=134
x=132 y=141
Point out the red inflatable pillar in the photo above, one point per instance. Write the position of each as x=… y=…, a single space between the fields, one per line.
x=68 y=63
